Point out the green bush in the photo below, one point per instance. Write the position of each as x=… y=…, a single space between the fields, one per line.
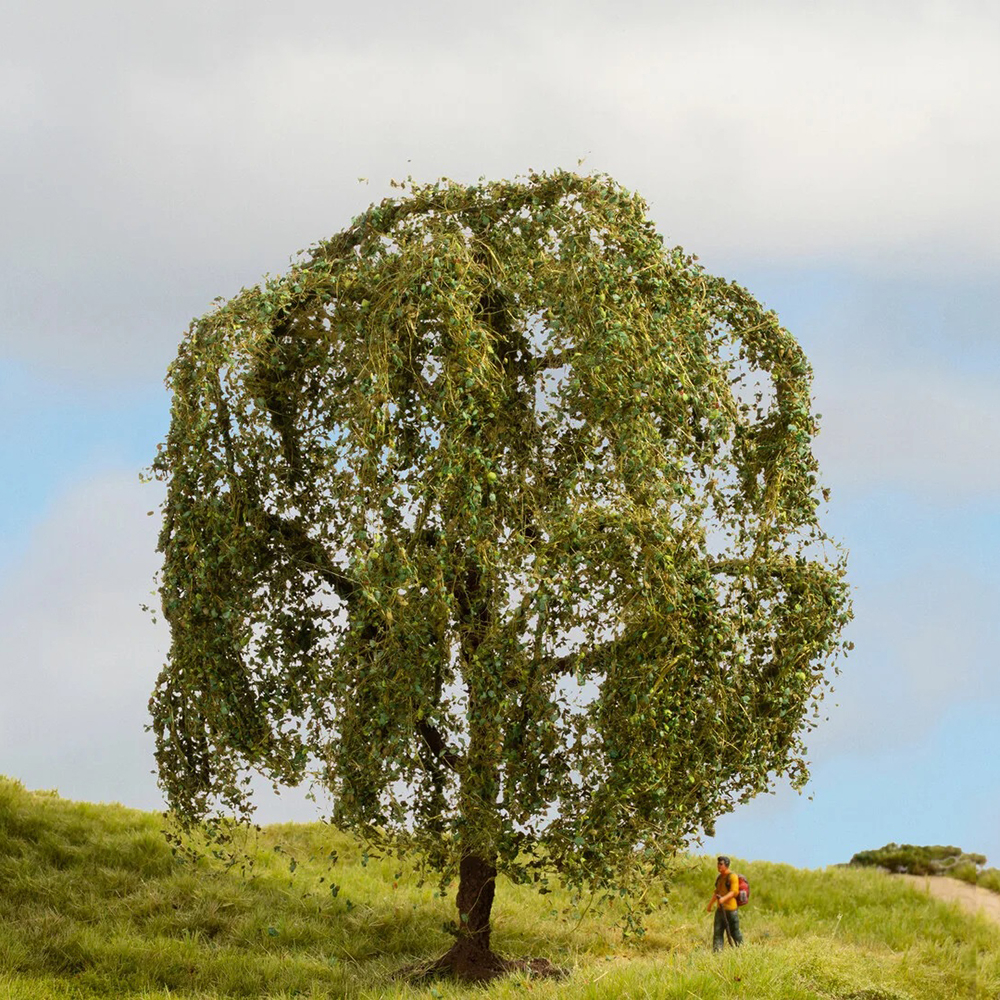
x=910 y=859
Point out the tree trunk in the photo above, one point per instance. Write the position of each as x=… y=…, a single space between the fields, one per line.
x=470 y=957
x=477 y=881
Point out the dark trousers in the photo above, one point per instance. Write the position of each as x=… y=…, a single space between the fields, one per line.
x=722 y=917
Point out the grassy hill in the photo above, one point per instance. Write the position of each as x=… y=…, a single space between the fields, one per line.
x=92 y=904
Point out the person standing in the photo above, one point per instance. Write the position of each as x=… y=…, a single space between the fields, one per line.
x=727 y=918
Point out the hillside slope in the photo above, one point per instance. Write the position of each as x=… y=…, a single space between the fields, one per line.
x=93 y=904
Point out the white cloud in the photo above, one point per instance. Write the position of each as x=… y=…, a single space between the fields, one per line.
x=932 y=433
x=79 y=656
x=173 y=155
x=926 y=640
x=816 y=132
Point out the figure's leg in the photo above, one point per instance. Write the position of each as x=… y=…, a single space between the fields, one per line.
x=734 y=927
x=719 y=930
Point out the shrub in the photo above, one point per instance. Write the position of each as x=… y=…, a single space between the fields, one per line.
x=908 y=859
x=913 y=860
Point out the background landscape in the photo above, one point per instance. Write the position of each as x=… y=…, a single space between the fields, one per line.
x=837 y=159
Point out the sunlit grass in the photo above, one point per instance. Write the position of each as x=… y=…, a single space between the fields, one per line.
x=92 y=904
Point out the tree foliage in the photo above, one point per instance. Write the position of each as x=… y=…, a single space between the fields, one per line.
x=503 y=516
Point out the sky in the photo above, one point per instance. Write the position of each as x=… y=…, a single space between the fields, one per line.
x=838 y=159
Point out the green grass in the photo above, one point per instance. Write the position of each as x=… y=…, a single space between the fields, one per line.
x=93 y=904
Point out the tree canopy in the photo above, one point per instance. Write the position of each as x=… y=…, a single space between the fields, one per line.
x=502 y=516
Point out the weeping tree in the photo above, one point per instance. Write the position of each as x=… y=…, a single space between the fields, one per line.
x=501 y=518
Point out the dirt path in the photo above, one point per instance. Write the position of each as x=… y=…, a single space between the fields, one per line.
x=972 y=897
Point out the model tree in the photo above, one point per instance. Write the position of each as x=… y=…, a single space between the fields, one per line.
x=503 y=517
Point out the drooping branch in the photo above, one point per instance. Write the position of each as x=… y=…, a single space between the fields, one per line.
x=439 y=752
x=309 y=553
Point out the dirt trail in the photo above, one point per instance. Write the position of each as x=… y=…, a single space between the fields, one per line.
x=972 y=897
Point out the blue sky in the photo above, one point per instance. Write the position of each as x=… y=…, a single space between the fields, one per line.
x=838 y=159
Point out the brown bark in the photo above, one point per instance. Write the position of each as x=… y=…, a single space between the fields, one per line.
x=477 y=881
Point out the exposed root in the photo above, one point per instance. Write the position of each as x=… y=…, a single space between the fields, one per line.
x=468 y=963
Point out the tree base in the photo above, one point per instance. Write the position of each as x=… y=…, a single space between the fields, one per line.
x=469 y=963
